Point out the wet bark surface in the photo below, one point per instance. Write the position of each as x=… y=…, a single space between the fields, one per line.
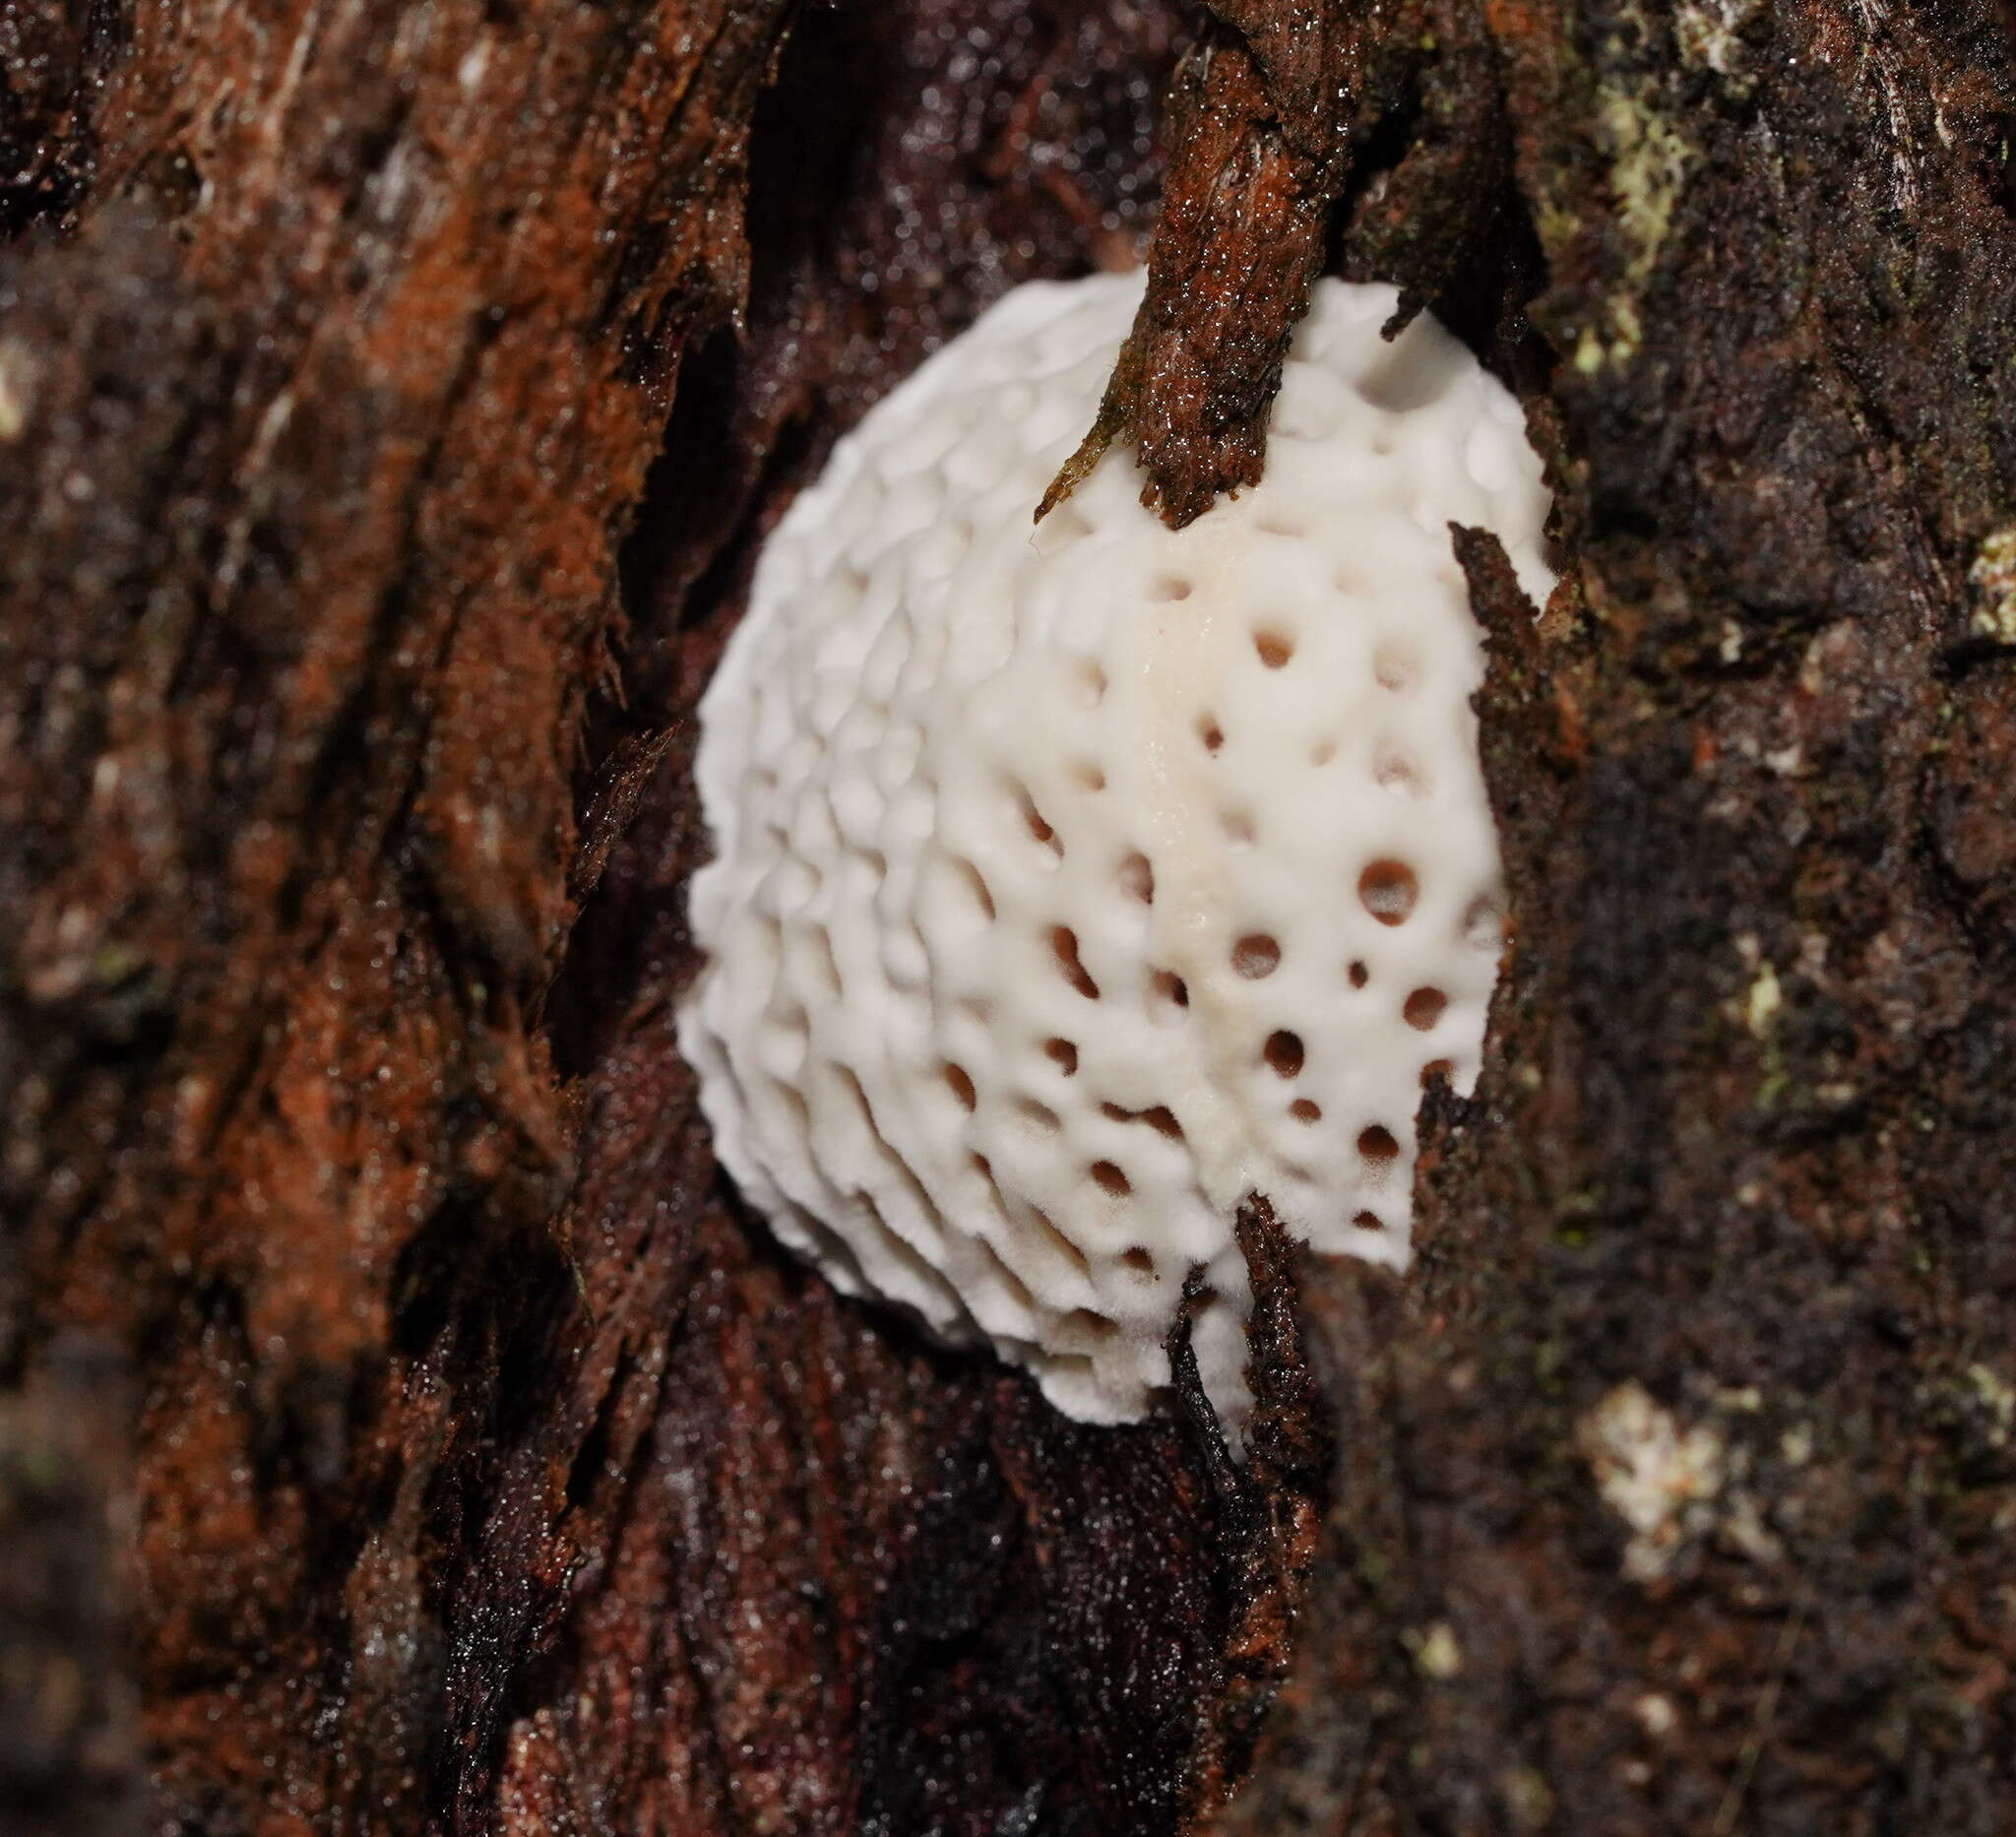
x=403 y=1427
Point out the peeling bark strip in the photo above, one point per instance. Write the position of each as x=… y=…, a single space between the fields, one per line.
x=1267 y=116
x=1240 y=243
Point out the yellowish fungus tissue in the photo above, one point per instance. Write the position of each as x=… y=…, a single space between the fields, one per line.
x=1073 y=882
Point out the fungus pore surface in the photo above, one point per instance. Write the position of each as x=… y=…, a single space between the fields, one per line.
x=1073 y=882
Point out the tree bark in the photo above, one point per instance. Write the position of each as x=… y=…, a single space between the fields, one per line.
x=404 y=1429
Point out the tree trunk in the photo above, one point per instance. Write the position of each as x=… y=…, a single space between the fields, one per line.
x=403 y=1426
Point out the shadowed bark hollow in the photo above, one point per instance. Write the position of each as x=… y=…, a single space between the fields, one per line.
x=403 y=1427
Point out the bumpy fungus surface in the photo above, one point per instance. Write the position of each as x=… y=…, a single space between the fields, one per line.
x=1073 y=883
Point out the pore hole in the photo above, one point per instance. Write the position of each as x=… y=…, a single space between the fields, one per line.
x=1484 y=926
x=1256 y=955
x=1162 y=1119
x=1108 y=1178
x=1378 y=1145
x=1064 y=1055
x=1168 y=986
x=961 y=1086
x=1082 y=1321
x=1283 y=1053
x=1089 y=776
x=977 y=884
x=1210 y=733
x=1064 y=945
x=1169 y=587
x=1034 y=820
x=1395 y=771
x=1272 y=647
x=1137 y=878
x=1408 y=374
x=1423 y=1008
x=1138 y=1260
x=985 y=1169
x=1305 y=1109
x=1092 y=683
x=1360 y=976
x=1368 y=1220
x=1436 y=1068
x=1039 y=1113
x=1388 y=889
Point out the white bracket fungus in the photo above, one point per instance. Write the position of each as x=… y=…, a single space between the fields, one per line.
x=1071 y=886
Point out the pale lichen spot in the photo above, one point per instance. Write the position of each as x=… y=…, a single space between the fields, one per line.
x=15 y=368
x=1708 y=35
x=1998 y=1397
x=1647 y=160
x=1994 y=581
x=1658 y=1477
x=1655 y=1713
x=1437 y=1652
x=1766 y=997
